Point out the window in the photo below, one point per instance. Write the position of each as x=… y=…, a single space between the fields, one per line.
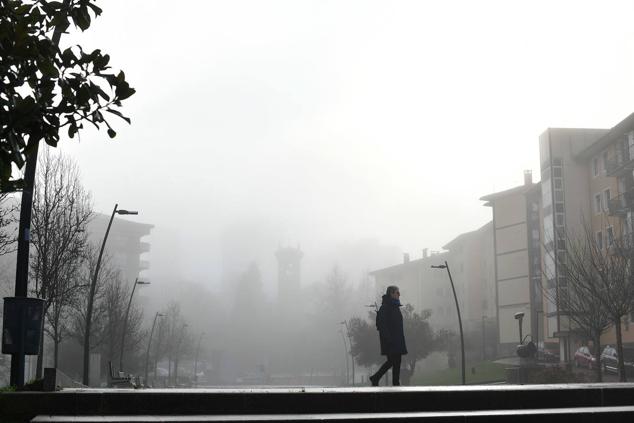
x=605 y=162
x=610 y=236
x=597 y=203
x=606 y=197
x=559 y=196
x=595 y=166
x=559 y=218
x=559 y=183
x=599 y=240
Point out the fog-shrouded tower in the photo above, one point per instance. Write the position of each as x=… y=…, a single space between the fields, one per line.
x=288 y=274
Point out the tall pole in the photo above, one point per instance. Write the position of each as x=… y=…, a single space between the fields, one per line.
x=22 y=263
x=484 y=351
x=345 y=351
x=91 y=297
x=345 y=322
x=147 y=353
x=178 y=347
x=455 y=297
x=196 y=360
x=125 y=320
x=16 y=377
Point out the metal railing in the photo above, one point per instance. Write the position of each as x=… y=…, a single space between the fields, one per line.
x=621 y=204
x=622 y=162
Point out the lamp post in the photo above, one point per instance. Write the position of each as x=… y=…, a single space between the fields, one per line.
x=125 y=320
x=345 y=351
x=484 y=348
x=345 y=322
x=147 y=353
x=519 y=316
x=453 y=288
x=178 y=347
x=196 y=360
x=91 y=296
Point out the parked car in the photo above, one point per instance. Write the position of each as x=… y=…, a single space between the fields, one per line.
x=610 y=361
x=548 y=355
x=584 y=358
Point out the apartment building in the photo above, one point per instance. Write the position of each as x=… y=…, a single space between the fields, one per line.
x=423 y=287
x=125 y=246
x=516 y=236
x=471 y=258
x=609 y=164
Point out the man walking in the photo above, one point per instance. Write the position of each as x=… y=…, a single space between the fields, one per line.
x=389 y=322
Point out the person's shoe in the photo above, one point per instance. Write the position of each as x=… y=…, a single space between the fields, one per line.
x=374 y=380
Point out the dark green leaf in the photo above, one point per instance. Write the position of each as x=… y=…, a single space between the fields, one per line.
x=118 y=113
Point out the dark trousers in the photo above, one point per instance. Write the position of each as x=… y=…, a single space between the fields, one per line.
x=393 y=361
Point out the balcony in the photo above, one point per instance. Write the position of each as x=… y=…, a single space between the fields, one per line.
x=623 y=162
x=620 y=205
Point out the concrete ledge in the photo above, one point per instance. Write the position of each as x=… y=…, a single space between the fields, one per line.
x=23 y=406
x=587 y=414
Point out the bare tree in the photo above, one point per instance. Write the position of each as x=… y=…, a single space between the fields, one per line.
x=604 y=282
x=579 y=297
x=112 y=307
x=61 y=211
x=175 y=326
x=107 y=273
x=613 y=268
x=8 y=221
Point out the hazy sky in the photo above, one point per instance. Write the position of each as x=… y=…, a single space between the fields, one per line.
x=339 y=120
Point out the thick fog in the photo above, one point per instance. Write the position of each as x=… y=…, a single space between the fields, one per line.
x=354 y=130
x=327 y=122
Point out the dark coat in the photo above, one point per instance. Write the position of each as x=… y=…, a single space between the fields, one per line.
x=389 y=322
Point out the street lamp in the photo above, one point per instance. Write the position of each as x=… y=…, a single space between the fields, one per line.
x=345 y=351
x=125 y=320
x=178 y=347
x=91 y=296
x=519 y=316
x=453 y=288
x=147 y=353
x=196 y=360
x=484 y=348
x=345 y=322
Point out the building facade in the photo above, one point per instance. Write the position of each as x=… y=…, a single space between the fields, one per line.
x=421 y=286
x=125 y=245
x=516 y=239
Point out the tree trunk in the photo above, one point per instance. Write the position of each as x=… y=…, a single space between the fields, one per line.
x=597 y=358
x=40 y=357
x=57 y=341
x=619 y=351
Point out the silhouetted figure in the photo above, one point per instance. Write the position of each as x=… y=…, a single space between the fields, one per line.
x=389 y=322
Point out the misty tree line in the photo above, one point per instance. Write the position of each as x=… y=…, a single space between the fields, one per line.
x=269 y=338
x=62 y=264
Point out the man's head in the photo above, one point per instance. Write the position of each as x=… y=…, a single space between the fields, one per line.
x=393 y=292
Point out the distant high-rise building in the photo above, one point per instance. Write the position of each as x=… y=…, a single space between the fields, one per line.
x=289 y=273
x=124 y=245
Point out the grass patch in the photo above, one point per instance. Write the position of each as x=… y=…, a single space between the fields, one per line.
x=483 y=372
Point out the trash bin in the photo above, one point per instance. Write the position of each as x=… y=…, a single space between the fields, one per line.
x=22 y=324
